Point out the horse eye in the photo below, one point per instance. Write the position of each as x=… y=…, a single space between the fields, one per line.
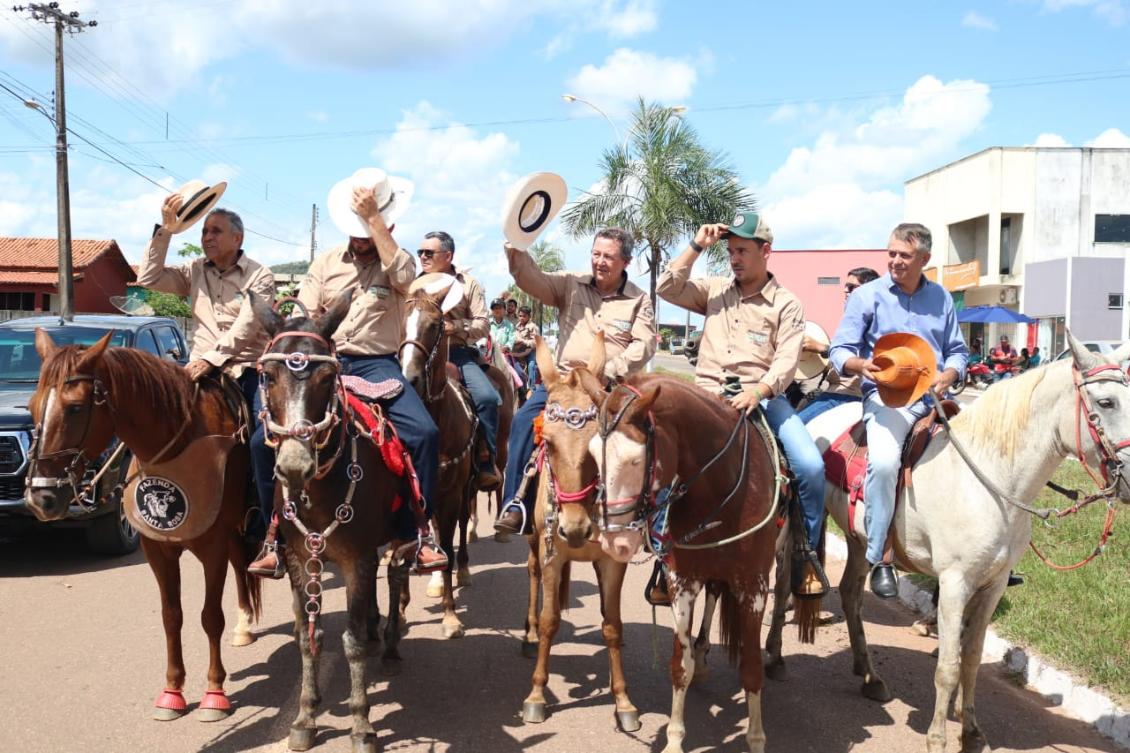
x=1106 y=403
x=74 y=410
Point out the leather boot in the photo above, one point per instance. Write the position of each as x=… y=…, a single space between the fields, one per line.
x=884 y=583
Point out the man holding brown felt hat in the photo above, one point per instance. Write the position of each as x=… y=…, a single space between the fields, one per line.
x=900 y=333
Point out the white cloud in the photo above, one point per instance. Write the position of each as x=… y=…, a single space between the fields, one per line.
x=632 y=18
x=844 y=189
x=628 y=74
x=975 y=20
x=1111 y=138
x=318 y=116
x=1050 y=140
x=1112 y=11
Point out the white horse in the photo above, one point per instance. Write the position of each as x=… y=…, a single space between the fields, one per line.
x=949 y=525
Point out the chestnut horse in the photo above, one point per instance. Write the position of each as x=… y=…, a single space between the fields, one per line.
x=334 y=500
x=85 y=396
x=423 y=359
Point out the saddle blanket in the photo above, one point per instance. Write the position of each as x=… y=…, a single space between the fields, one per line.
x=382 y=433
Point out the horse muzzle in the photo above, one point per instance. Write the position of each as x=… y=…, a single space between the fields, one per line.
x=621 y=545
x=49 y=501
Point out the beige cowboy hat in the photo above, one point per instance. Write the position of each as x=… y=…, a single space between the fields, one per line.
x=197 y=199
x=907 y=366
x=530 y=205
x=392 y=193
x=812 y=364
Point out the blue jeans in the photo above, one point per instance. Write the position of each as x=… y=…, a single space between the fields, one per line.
x=824 y=401
x=262 y=456
x=886 y=432
x=483 y=393
x=413 y=423
x=804 y=459
x=521 y=447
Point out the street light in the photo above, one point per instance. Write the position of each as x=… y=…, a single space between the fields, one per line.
x=574 y=98
x=63 y=191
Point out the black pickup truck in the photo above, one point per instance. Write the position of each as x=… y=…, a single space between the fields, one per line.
x=106 y=528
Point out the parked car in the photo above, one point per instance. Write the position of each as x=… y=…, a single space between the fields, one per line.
x=676 y=346
x=106 y=529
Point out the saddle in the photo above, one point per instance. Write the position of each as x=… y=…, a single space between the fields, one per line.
x=371 y=392
x=845 y=461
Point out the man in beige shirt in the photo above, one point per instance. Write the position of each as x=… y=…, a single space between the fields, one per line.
x=465 y=324
x=367 y=342
x=752 y=335
x=600 y=301
x=523 y=349
x=226 y=334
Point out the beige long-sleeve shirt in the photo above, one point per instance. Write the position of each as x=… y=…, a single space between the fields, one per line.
x=625 y=316
x=756 y=337
x=374 y=325
x=227 y=334
x=471 y=316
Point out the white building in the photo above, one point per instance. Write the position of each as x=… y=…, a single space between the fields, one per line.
x=1042 y=231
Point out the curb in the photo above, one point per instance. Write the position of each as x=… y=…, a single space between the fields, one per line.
x=1072 y=695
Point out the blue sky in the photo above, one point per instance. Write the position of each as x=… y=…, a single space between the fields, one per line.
x=823 y=109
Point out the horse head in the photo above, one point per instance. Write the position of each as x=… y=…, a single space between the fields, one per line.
x=1103 y=414
x=423 y=352
x=73 y=422
x=298 y=379
x=568 y=426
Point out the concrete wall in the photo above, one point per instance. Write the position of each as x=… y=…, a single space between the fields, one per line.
x=1045 y=288
x=799 y=271
x=1092 y=280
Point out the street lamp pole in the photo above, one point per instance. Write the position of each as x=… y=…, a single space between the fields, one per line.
x=603 y=114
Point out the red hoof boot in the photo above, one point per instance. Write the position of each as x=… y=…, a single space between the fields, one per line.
x=170 y=705
x=214 y=706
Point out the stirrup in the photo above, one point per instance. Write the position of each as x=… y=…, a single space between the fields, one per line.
x=514 y=503
x=800 y=559
x=415 y=547
x=656 y=592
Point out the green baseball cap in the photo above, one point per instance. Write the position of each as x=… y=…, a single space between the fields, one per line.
x=752 y=226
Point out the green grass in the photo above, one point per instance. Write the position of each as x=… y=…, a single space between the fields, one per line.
x=677 y=374
x=1078 y=620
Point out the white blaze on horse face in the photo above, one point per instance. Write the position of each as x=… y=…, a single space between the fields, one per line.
x=411 y=332
x=624 y=477
x=47 y=415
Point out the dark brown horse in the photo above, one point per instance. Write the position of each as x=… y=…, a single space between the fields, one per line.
x=683 y=468
x=334 y=500
x=423 y=359
x=85 y=396
x=499 y=375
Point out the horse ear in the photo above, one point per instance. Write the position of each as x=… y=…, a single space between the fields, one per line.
x=646 y=399
x=44 y=345
x=546 y=367
x=267 y=316
x=593 y=386
x=1120 y=355
x=1084 y=359
x=331 y=320
x=453 y=297
x=93 y=354
x=598 y=357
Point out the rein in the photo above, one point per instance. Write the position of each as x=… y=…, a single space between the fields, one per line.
x=429 y=397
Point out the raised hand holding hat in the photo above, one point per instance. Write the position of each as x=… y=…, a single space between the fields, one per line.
x=392 y=195
x=529 y=207
x=189 y=204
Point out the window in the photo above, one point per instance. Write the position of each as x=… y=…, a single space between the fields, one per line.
x=1114 y=301
x=170 y=345
x=828 y=281
x=17 y=301
x=1006 y=245
x=1112 y=228
x=146 y=342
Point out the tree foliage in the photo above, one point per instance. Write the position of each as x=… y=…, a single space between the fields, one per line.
x=190 y=250
x=167 y=304
x=661 y=184
x=549 y=258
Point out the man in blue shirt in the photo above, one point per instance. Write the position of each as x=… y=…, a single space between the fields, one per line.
x=901 y=301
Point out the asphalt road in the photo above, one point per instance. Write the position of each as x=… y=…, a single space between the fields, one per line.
x=82 y=659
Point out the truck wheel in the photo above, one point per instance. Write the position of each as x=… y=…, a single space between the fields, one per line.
x=112 y=534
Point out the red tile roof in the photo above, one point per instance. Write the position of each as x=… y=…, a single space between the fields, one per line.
x=19 y=254
x=31 y=278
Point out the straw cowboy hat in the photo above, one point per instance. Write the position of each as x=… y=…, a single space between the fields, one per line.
x=530 y=205
x=197 y=199
x=392 y=194
x=907 y=366
x=813 y=364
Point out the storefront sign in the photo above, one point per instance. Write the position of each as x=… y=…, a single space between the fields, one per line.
x=961 y=276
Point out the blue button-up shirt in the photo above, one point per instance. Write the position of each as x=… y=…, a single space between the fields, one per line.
x=881 y=307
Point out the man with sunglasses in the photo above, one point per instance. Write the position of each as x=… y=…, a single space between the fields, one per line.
x=839 y=389
x=465 y=324
x=379 y=272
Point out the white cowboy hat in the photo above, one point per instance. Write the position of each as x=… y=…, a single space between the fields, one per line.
x=198 y=198
x=392 y=193
x=530 y=205
x=812 y=364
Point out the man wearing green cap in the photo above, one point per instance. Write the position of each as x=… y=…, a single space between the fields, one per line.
x=752 y=335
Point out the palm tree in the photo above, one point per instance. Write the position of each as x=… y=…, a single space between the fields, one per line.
x=549 y=258
x=661 y=184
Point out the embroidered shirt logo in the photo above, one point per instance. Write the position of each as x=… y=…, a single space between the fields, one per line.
x=622 y=324
x=380 y=291
x=758 y=338
x=160 y=503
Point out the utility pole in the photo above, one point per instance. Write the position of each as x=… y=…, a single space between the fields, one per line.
x=69 y=22
x=313 y=229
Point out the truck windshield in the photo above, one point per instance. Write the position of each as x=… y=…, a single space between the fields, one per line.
x=19 y=362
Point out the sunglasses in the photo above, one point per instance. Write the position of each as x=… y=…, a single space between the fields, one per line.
x=425 y=253
x=850 y=286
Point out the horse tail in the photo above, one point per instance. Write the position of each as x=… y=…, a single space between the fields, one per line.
x=807 y=611
x=563 y=587
x=253 y=582
x=730 y=612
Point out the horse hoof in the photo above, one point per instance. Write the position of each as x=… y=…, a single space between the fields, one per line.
x=501 y=537
x=472 y=536
x=242 y=639
x=453 y=631
x=301 y=738
x=463 y=578
x=211 y=715
x=533 y=712
x=167 y=715
x=366 y=743
x=434 y=592
x=391 y=667
x=629 y=721
x=974 y=742
x=776 y=671
x=876 y=690
x=170 y=705
x=530 y=649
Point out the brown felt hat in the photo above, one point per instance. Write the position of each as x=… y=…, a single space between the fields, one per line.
x=907 y=366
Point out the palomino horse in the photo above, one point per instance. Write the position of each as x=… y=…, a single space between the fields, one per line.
x=84 y=398
x=968 y=533
x=325 y=462
x=423 y=359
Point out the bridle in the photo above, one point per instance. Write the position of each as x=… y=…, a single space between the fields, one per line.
x=645 y=499
x=1111 y=468
x=432 y=351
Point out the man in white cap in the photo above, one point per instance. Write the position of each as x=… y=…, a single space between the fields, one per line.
x=226 y=335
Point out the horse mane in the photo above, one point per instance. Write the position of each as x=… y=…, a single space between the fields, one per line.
x=998 y=420
x=146 y=378
x=680 y=391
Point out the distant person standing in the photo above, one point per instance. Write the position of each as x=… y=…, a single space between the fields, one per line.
x=1003 y=357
